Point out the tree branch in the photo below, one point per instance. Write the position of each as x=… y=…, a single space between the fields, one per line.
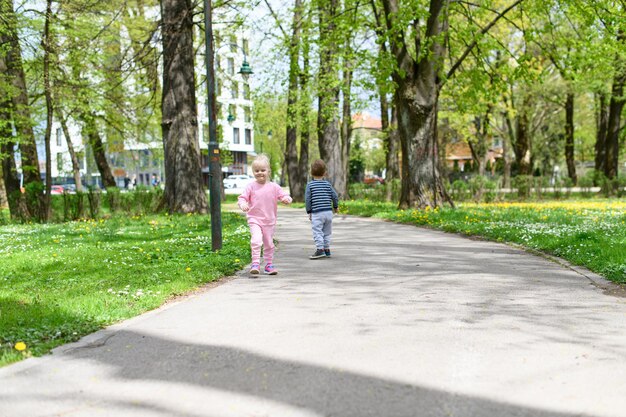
x=475 y=41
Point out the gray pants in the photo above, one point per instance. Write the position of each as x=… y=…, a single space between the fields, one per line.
x=322 y=225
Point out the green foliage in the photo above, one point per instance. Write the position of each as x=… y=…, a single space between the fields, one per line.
x=54 y=288
x=523 y=184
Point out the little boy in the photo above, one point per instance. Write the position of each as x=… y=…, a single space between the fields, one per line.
x=321 y=201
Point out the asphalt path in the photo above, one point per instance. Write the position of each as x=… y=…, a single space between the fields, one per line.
x=400 y=321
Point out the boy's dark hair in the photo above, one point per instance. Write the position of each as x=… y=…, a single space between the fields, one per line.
x=318 y=168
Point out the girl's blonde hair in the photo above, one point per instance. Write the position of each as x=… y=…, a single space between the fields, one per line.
x=261 y=160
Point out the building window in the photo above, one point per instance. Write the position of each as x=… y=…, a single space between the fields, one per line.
x=233 y=43
x=232 y=111
x=59 y=137
x=231 y=66
x=59 y=162
x=247 y=115
x=248 y=136
x=236 y=135
x=234 y=89
x=246 y=91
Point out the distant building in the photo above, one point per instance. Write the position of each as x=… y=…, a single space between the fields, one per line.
x=140 y=161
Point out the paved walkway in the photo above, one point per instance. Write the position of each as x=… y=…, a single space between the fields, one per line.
x=401 y=321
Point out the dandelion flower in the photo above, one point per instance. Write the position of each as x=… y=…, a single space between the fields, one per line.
x=187 y=269
x=20 y=346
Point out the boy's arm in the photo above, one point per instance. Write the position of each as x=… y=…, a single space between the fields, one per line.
x=334 y=197
x=307 y=198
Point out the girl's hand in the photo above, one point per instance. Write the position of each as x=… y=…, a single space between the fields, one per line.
x=244 y=206
x=286 y=200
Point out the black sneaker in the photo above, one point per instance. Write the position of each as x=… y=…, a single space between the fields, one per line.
x=327 y=252
x=318 y=254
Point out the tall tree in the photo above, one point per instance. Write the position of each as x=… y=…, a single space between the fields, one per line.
x=329 y=87
x=21 y=112
x=184 y=191
x=291 y=147
x=417 y=42
x=46 y=43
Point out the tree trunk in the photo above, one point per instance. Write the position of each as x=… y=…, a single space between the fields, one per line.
x=328 y=101
x=21 y=106
x=569 y=137
x=70 y=147
x=184 y=191
x=291 y=145
x=479 y=145
x=416 y=101
x=602 y=123
x=11 y=181
x=90 y=130
x=616 y=105
x=305 y=111
x=346 y=120
x=521 y=145
x=49 y=109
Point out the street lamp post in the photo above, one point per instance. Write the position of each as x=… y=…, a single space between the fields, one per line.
x=215 y=167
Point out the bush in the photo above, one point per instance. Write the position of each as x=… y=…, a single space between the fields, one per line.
x=113 y=199
x=73 y=206
x=523 y=184
x=94 y=197
x=586 y=182
x=459 y=190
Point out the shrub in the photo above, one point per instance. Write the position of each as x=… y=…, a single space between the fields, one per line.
x=113 y=198
x=459 y=190
x=523 y=184
x=94 y=197
x=73 y=206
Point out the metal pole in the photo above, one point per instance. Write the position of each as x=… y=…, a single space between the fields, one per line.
x=215 y=167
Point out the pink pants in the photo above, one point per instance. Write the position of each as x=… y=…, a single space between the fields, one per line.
x=262 y=235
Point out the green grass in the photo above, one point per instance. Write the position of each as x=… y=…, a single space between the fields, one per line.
x=586 y=233
x=59 y=282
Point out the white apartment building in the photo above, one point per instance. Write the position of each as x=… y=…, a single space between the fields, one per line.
x=139 y=162
x=234 y=103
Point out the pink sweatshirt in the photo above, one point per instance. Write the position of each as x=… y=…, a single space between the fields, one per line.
x=262 y=200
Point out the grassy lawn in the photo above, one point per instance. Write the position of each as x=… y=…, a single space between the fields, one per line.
x=59 y=282
x=587 y=233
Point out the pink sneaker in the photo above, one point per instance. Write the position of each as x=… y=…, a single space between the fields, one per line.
x=270 y=270
x=255 y=269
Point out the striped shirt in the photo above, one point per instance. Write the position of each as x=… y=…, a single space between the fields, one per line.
x=320 y=196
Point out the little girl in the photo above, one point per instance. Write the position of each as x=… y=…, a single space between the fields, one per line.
x=259 y=201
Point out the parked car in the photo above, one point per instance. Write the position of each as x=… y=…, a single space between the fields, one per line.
x=56 y=189
x=237 y=181
x=69 y=188
x=373 y=180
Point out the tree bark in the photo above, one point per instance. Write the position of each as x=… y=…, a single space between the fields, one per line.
x=184 y=191
x=616 y=106
x=416 y=101
x=90 y=130
x=569 y=137
x=70 y=147
x=346 y=119
x=328 y=101
x=49 y=109
x=21 y=106
x=521 y=146
x=305 y=111
x=291 y=145
x=602 y=124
